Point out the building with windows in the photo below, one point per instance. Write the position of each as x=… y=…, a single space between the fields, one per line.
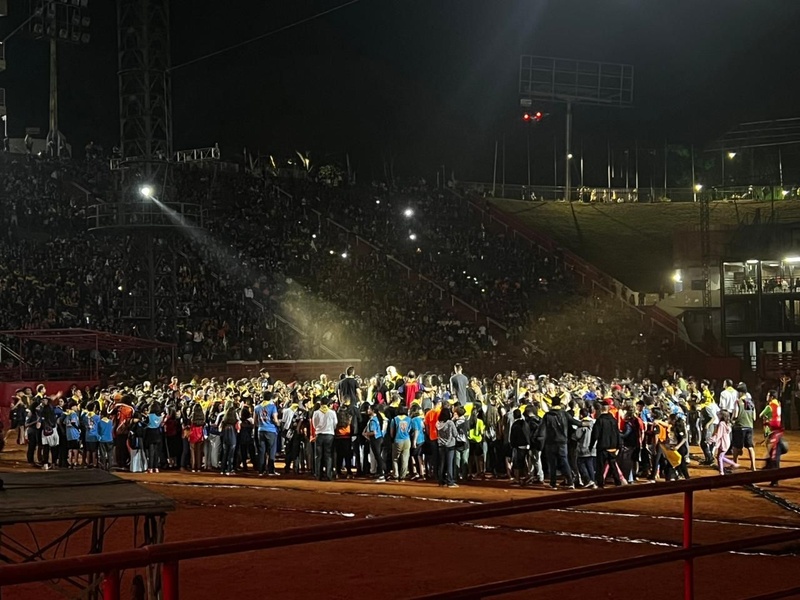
x=760 y=311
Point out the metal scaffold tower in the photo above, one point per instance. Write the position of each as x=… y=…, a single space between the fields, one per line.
x=146 y=211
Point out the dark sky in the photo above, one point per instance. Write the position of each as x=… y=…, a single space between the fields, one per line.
x=428 y=82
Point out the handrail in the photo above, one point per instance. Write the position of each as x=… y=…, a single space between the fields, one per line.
x=171 y=552
x=614 y=566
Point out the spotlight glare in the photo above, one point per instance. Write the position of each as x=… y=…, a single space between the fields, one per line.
x=408 y=213
x=146 y=191
x=412 y=237
x=344 y=254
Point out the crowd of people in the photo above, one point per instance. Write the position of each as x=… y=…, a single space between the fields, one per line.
x=278 y=274
x=568 y=431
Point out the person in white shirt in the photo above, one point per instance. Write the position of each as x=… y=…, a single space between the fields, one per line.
x=728 y=397
x=324 y=421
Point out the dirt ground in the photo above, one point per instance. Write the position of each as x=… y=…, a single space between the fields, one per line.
x=418 y=562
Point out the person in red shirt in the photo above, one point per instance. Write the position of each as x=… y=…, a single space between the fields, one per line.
x=410 y=388
x=432 y=436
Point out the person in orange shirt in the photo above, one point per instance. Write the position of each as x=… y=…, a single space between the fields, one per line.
x=432 y=437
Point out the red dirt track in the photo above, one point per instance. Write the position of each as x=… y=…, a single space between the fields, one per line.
x=418 y=562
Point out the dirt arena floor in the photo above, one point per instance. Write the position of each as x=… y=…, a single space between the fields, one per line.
x=424 y=561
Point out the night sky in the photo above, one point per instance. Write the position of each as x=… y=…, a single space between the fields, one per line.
x=426 y=82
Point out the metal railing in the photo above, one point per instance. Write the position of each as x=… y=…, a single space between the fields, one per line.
x=169 y=555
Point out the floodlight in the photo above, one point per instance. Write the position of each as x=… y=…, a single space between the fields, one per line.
x=698 y=187
x=784 y=193
x=147 y=191
x=792 y=259
x=409 y=212
x=677 y=277
x=731 y=155
x=412 y=236
x=752 y=261
x=344 y=254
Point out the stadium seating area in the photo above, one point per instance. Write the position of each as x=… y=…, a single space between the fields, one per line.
x=272 y=277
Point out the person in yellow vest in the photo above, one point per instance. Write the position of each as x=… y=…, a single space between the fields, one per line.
x=773 y=432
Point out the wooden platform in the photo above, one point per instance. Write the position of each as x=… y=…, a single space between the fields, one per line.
x=75 y=494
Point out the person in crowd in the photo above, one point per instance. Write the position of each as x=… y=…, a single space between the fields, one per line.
x=587 y=454
x=401 y=446
x=374 y=433
x=520 y=437
x=196 y=436
x=154 y=436
x=552 y=436
x=743 y=419
x=722 y=442
x=227 y=423
x=266 y=416
x=446 y=440
x=606 y=440
x=324 y=423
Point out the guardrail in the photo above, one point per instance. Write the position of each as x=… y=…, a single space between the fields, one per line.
x=169 y=555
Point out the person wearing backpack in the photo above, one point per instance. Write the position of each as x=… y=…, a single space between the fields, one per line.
x=587 y=456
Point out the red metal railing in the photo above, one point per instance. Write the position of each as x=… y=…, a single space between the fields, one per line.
x=169 y=555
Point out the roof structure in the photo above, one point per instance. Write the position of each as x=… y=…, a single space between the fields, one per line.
x=86 y=339
x=760 y=134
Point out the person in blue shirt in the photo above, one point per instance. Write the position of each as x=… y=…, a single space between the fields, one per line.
x=417 y=442
x=374 y=434
x=72 y=432
x=89 y=421
x=401 y=446
x=154 y=437
x=266 y=417
x=105 y=432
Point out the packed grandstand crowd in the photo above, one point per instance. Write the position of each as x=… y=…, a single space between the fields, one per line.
x=574 y=430
x=289 y=268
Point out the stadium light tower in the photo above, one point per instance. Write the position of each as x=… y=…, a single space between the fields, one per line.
x=567 y=81
x=58 y=21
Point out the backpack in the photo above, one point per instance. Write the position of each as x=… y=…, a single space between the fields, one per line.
x=136 y=436
x=344 y=417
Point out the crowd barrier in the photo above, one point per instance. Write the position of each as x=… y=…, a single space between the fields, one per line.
x=169 y=555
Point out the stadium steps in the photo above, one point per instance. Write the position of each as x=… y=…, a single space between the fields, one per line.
x=589 y=276
x=462 y=308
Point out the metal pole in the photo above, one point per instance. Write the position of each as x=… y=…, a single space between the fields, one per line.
x=694 y=183
x=636 y=150
x=666 y=154
x=528 y=147
x=688 y=565
x=111 y=585
x=170 y=579
x=555 y=168
x=568 y=174
x=503 y=188
x=722 y=187
x=494 y=175
x=53 y=134
x=780 y=168
x=608 y=163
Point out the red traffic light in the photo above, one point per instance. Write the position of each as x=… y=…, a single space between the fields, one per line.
x=538 y=116
x=528 y=117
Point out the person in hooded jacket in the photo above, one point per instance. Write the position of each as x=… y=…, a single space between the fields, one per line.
x=587 y=455
x=553 y=435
